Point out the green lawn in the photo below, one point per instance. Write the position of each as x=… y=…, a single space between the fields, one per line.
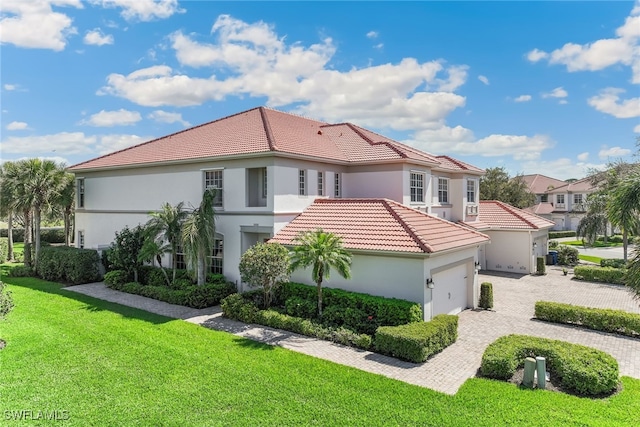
x=106 y=364
x=590 y=258
x=596 y=244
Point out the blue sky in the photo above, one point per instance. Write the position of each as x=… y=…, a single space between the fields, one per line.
x=537 y=87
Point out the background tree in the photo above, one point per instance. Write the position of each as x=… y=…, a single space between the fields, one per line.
x=266 y=265
x=152 y=250
x=323 y=251
x=198 y=236
x=65 y=201
x=7 y=204
x=624 y=207
x=15 y=178
x=166 y=225
x=496 y=184
x=595 y=222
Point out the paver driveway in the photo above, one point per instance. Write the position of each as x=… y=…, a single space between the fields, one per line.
x=514 y=298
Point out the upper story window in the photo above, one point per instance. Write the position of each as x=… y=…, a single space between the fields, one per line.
x=80 y=184
x=544 y=198
x=320 y=183
x=577 y=199
x=264 y=183
x=302 y=182
x=560 y=199
x=416 y=187
x=256 y=187
x=213 y=179
x=471 y=191
x=338 y=185
x=443 y=190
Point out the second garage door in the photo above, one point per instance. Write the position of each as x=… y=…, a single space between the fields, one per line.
x=450 y=290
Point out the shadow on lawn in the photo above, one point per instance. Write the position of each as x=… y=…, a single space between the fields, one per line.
x=91 y=304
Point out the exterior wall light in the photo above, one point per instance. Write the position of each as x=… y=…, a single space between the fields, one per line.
x=430 y=283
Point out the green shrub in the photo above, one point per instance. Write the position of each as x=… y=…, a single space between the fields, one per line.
x=567 y=255
x=192 y=296
x=207 y=295
x=560 y=234
x=540 y=266
x=155 y=277
x=21 y=271
x=382 y=311
x=6 y=301
x=116 y=278
x=599 y=274
x=417 y=341
x=486 y=295
x=4 y=249
x=553 y=244
x=68 y=265
x=47 y=234
x=614 y=321
x=578 y=369
x=613 y=262
x=237 y=308
x=299 y=307
x=216 y=278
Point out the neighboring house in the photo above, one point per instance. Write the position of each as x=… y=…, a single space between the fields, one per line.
x=562 y=202
x=269 y=167
x=517 y=237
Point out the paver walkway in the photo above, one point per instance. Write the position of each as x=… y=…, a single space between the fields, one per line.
x=514 y=298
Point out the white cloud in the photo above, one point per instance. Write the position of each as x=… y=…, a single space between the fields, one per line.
x=17 y=126
x=563 y=102
x=166 y=117
x=33 y=24
x=621 y=50
x=110 y=143
x=607 y=101
x=143 y=10
x=95 y=37
x=558 y=92
x=536 y=55
x=562 y=168
x=8 y=86
x=57 y=159
x=372 y=34
x=120 y=117
x=378 y=46
x=636 y=129
x=68 y=143
x=607 y=152
x=523 y=98
x=583 y=157
x=483 y=79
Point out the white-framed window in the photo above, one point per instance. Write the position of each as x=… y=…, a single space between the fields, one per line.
x=443 y=191
x=81 y=239
x=320 y=183
x=471 y=191
x=216 y=259
x=80 y=187
x=416 y=187
x=264 y=183
x=577 y=199
x=302 y=182
x=544 y=198
x=213 y=179
x=337 y=190
x=560 y=200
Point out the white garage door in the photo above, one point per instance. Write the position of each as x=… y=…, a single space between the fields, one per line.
x=450 y=290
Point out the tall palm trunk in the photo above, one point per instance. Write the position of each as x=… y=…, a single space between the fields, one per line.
x=36 y=233
x=10 y=237
x=27 y=238
x=67 y=226
x=625 y=243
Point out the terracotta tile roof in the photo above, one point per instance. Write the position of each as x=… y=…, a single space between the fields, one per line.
x=539 y=184
x=581 y=186
x=540 y=209
x=380 y=224
x=499 y=215
x=264 y=130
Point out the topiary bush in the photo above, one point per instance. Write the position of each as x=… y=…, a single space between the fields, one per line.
x=540 y=266
x=599 y=274
x=417 y=341
x=614 y=321
x=613 y=262
x=567 y=255
x=581 y=370
x=486 y=296
x=68 y=265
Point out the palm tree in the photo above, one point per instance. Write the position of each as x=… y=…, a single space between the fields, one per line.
x=152 y=250
x=7 y=203
x=198 y=235
x=624 y=207
x=166 y=225
x=20 y=200
x=323 y=251
x=595 y=222
x=66 y=201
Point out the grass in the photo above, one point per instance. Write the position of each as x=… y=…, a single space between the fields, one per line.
x=596 y=244
x=106 y=364
x=590 y=258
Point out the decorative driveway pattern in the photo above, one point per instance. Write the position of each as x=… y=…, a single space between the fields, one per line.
x=514 y=298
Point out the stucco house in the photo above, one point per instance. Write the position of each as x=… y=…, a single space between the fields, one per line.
x=562 y=202
x=275 y=171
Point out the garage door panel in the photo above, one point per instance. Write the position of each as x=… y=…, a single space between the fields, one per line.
x=450 y=290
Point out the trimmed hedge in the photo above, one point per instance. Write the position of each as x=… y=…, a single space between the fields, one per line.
x=68 y=265
x=599 y=274
x=237 y=307
x=614 y=321
x=613 y=262
x=4 y=249
x=21 y=271
x=47 y=234
x=486 y=295
x=579 y=369
x=540 y=266
x=417 y=341
x=383 y=311
x=559 y=234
